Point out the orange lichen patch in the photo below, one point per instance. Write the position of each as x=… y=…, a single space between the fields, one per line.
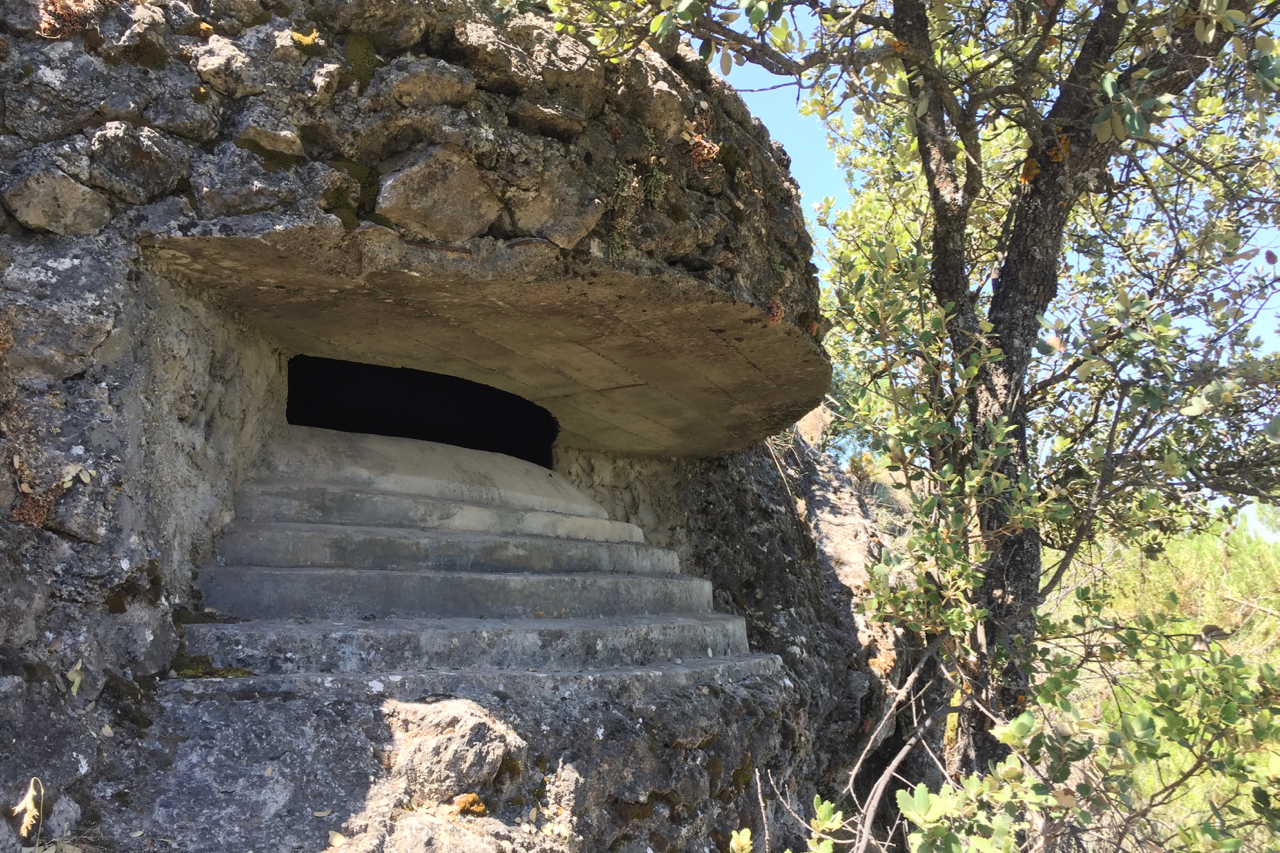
x=775 y=310
x=703 y=151
x=812 y=328
x=199 y=29
x=469 y=804
x=884 y=661
x=34 y=509
x=1061 y=151
x=63 y=17
x=898 y=46
x=1030 y=168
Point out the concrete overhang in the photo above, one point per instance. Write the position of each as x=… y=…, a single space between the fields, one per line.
x=654 y=364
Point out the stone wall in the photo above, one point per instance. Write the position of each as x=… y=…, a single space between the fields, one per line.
x=780 y=531
x=131 y=410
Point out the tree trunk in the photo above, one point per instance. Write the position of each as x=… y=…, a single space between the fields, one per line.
x=1068 y=157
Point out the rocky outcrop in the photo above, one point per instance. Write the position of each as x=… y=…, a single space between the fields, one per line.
x=189 y=195
x=390 y=153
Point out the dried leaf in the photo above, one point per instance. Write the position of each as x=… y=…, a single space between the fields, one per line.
x=106 y=731
x=27 y=809
x=269 y=771
x=336 y=839
x=324 y=813
x=137 y=834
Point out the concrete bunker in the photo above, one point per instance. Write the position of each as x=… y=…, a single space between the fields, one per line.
x=413 y=185
x=401 y=402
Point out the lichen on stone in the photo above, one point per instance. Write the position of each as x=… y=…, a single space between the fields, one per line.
x=361 y=57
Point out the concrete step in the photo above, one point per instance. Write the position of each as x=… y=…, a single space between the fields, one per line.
x=412 y=645
x=621 y=684
x=252 y=592
x=333 y=545
x=317 y=502
x=424 y=469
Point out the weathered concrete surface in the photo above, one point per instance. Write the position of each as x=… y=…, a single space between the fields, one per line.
x=275 y=499
x=410 y=645
x=421 y=469
x=657 y=363
x=339 y=593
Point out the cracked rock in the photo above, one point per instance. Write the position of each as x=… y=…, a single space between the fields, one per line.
x=226 y=68
x=183 y=116
x=51 y=200
x=234 y=182
x=137 y=164
x=563 y=210
x=425 y=82
x=439 y=196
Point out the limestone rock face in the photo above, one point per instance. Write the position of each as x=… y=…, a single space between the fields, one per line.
x=226 y=68
x=234 y=182
x=451 y=748
x=426 y=82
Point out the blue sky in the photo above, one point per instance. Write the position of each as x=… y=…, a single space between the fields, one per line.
x=813 y=164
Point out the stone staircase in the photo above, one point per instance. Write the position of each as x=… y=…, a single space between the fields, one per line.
x=416 y=623
x=400 y=567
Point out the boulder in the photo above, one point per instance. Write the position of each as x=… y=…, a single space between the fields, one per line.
x=48 y=199
x=424 y=82
x=138 y=164
x=562 y=210
x=225 y=67
x=450 y=747
x=439 y=195
x=234 y=182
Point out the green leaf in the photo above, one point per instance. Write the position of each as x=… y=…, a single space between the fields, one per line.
x=1272 y=430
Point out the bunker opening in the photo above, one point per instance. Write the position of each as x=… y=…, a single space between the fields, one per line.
x=401 y=402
